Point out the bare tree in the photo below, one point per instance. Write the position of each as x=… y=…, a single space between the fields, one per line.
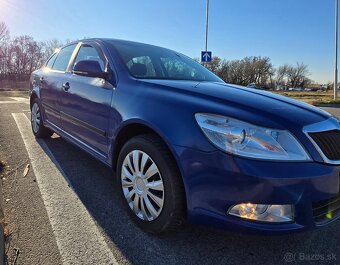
x=258 y=70
x=4 y=38
x=50 y=46
x=294 y=76
x=4 y=32
x=298 y=75
x=22 y=56
x=215 y=64
x=281 y=78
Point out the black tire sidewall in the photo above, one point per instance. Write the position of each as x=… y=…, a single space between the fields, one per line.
x=42 y=131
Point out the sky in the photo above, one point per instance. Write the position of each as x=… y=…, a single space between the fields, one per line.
x=287 y=31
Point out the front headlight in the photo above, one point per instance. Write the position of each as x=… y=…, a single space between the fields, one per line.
x=248 y=140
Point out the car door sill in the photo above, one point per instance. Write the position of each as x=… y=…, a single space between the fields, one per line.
x=78 y=142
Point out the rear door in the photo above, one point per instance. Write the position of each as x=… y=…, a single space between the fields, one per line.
x=51 y=81
x=85 y=104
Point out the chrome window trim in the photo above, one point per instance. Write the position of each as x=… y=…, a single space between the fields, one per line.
x=323 y=126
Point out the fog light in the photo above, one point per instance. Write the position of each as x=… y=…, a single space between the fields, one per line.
x=263 y=212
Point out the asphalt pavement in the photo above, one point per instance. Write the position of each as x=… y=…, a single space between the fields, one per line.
x=66 y=211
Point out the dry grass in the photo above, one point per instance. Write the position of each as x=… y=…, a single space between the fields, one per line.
x=8 y=228
x=311 y=97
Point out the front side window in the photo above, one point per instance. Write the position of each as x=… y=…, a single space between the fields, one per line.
x=151 y=62
x=88 y=52
x=63 y=58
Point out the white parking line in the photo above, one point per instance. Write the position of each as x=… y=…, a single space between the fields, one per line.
x=16 y=100
x=19 y=99
x=78 y=238
x=13 y=102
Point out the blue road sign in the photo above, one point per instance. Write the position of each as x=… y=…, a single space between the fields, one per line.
x=206 y=56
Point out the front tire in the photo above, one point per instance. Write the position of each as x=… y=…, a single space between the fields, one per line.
x=150 y=185
x=38 y=128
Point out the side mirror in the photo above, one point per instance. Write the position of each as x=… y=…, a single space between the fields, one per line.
x=89 y=68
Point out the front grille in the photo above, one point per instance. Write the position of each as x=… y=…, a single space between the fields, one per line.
x=329 y=143
x=327 y=210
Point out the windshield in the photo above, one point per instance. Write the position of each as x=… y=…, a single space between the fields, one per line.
x=151 y=62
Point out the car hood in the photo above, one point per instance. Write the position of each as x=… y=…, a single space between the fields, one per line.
x=266 y=104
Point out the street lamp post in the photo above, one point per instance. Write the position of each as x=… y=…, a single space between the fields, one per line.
x=206 y=25
x=336 y=49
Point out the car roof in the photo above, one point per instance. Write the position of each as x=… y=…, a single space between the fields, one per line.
x=113 y=41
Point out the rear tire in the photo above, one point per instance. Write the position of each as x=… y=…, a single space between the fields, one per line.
x=150 y=185
x=38 y=128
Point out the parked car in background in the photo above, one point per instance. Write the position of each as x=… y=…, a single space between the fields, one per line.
x=313 y=89
x=252 y=85
x=296 y=89
x=185 y=145
x=281 y=88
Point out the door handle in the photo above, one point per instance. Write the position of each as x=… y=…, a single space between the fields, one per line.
x=66 y=86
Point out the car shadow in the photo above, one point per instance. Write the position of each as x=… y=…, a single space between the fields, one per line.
x=94 y=183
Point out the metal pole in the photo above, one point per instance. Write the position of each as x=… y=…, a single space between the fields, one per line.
x=206 y=25
x=336 y=49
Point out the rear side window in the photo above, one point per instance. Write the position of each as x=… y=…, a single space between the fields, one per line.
x=63 y=58
x=88 y=52
x=50 y=62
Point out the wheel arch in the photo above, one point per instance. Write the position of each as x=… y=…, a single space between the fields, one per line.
x=135 y=128
x=32 y=98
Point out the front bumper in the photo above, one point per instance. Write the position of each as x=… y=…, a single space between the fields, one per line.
x=215 y=181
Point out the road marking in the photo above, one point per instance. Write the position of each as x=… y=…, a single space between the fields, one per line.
x=78 y=238
x=13 y=102
x=16 y=100
x=19 y=99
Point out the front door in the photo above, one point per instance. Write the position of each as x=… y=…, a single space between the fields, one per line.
x=86 y=102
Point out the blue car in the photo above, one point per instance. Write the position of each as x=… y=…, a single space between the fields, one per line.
x=184 y=145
